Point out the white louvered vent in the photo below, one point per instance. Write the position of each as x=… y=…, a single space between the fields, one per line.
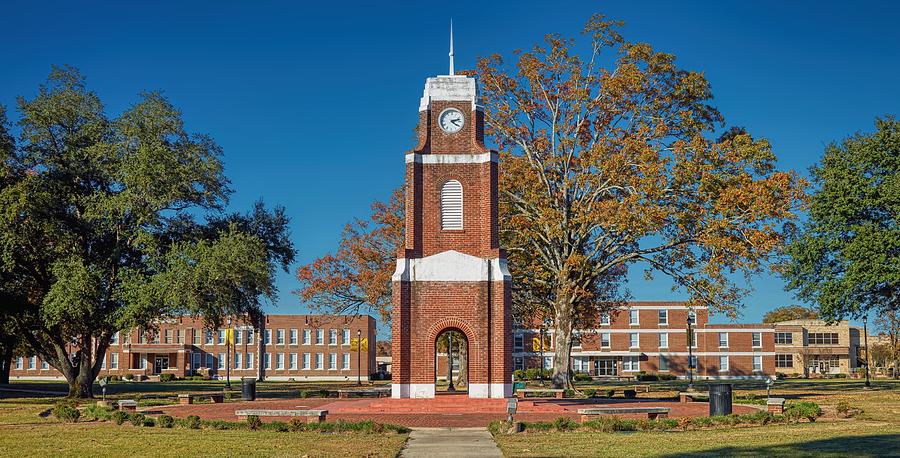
x=452 y=205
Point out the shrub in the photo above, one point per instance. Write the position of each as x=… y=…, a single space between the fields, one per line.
x=220 y=424
x=839 y=376
x=519 y=374
x=112 y=378
x=798 y=410
x=166 y=421
x=667 y=377
x=66 y=410
x=610 y=393
x=149 y=422
x=296 y=424
x=167 y=377
x=193 y=422
x=845 y=410
x=630 y=394
x=569 y=393
x=95 y=412
x=780 y=375
x=564 y=424
x=129 y=377
x=647 y=377
x=136 y=419
x=253 y=422
x=279 y=426
x=582 y=377
x=534 y=373
x=702 y=422
x=119 y=417
x=589 y=392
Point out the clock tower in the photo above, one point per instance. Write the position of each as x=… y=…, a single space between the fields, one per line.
x=451 y=274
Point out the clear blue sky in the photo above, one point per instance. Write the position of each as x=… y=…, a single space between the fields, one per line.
x=314 y=104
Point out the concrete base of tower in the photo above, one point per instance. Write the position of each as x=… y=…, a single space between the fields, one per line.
x=490 y=390
x=412 y=390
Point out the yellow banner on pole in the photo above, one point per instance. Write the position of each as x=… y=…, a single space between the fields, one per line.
x=229 y=337
x=359 y=344
x=536 y=344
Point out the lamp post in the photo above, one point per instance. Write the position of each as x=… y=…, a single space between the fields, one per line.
x=690 y=341
x=541 y=366
x=228 y=332
x=358 y=357
x=450 y=387
x=866 y=342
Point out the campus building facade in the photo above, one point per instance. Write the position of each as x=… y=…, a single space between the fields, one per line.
x=299 y=347
x=813 y=348
x=652 y=337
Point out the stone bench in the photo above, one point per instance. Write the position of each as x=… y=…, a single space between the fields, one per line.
x=128 y=405
x=311 y=416
x=775 y=405
x=215 y=398
x=377 y=393
x=652 y=412
x=558 y=393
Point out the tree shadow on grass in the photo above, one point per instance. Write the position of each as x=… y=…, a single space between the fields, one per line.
x=858 y=446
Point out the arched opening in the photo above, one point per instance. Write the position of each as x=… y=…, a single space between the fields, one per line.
x=451 y=362
x=452 y=205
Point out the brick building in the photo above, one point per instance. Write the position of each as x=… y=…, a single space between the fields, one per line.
x=652 y=337
x=816 y=348
x=300 y=347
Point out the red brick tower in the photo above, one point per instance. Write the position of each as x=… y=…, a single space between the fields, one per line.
x=452 y=273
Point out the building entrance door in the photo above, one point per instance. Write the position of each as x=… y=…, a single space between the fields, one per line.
x=160 y=363
x=606 y=367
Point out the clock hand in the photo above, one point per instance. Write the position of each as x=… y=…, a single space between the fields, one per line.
x=455 y=122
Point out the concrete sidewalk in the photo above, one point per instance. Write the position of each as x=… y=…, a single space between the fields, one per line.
x=450 y=442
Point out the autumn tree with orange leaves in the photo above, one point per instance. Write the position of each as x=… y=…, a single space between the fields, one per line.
x=617 y=159
x=357 y=278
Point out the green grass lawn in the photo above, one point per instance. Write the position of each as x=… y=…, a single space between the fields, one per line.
x=876 y=432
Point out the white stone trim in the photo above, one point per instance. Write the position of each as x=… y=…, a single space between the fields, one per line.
x=412 y=390
x=670 y=353
x=314 y=378
x=730 y=330
x=606 y=330
x=451 y=266
x=662 y=307
x=421 y=158
x=459 y=88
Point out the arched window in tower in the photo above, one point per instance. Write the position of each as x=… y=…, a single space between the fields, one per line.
x=451 y=205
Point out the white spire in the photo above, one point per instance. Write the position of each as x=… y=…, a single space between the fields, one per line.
x=451 y=47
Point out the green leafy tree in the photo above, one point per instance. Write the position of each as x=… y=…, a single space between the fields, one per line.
x=789 y=312
x=99 y=230
x=846 y=260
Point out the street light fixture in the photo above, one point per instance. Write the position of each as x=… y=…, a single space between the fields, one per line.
x=228 y=333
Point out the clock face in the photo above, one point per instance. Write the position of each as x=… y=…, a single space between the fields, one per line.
x=451 y=120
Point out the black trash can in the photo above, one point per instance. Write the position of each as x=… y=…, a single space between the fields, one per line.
x=719 y=399
x=248 y=389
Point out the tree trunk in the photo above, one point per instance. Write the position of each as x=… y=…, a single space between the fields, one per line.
x=463 y=355
x=562 y=326
x=6 y=363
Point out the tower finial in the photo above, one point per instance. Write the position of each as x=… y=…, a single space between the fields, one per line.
x=451 y=47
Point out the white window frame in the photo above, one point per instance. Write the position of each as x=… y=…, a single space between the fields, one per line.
x=307 y=336
x=267 y=361
x=518 y=342
x=251 y=357
x=692 y=317
x=662 y=315
x=293 y=337
x=332 y=361
x=345 y=364
x=756 y=339
x=320 y=361
x=723 y=343
x=663 y=340
x=604 y=319
x=238 y=362
x=114 y=340
x=32 y=363
x=20 y=363
x=279 y=361
x=663 y=363
x=345 y=339
x=195 y=360
x=724 y=367
x=113 y=360
x=306 y=361
x=250 y=336
x=607 y=337
x=332 y=337
x=320 y=336
x=209 y=361
x=267 y=340
x=634 y=317
x=631 y=364
x=757 y=363
x=634 y=340
x=238 y=336
x=221 y=365
x=209 y=337
x=292 y=362
x=221 y=339
x=279 y=337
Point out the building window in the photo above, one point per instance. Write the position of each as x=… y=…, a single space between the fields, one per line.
x=757 y=363
x=633 y=317
x=756 y=339
x=250 y=333
x=20 y=362
x=332 y=361
x=576 y=339
x=238 y=336
x=293 y=337
x=320 y=336
x=209 y=360
x=346 y=361
x=238 y=363
x=663 y=363
x=293 y=361
x=723 y=364
x=692 y=317
x=581 y=364
x=306 y=361
x=209 y=337
x=32 y=363
x=784 y=360
x=451 y=205
x=604 y=340
x=268 y=337
x=518 y=342
x=723 y=340
x=45 y=365
x=664 y=340
x=346 y=338
x=196 y=339
x=180 y=336
x=663 y=316
x=155 y=337
x=518 y=363
x=279 y=361
x=267 y=360
x=113 y=360
x=784 y=338
x=168 y=336
x=332 y=337
x=250 y=358
x=279 y=337
x=221 y=360
x=604 y=319
x=823 y=338
x=114 y=339
x=631 y=364
x=548 y=362
x=307 y=335
x=633 y=340
x=221 y=340
x=692 y=362
x=195 y=360
x=320 y=357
